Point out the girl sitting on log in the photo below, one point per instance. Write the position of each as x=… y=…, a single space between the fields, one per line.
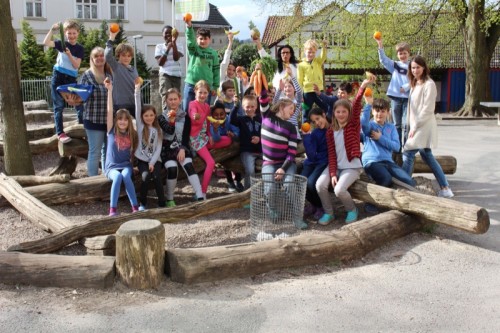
x=148 y=150
x=122 y=142
x=176 y=148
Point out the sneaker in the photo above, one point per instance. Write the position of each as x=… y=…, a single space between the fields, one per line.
x=112 y=211
x=231 y=188
x=352 y=216
x=263 y=236
x=371 y=209
x=300 y=224
x=141 y=208
x=318 y=213
x=326 y=219
x=309 y=210
x=239 y=187
x=170 y=203
x=64 y=138
x=446 y=193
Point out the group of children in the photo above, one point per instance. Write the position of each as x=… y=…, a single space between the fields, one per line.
x=266 y=129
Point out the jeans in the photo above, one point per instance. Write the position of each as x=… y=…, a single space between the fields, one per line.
x=399 y=107
x=312 y=173
x=117 y=176
x=428 y=158
x=248 y=161
x=59 y=79
x=383 y=171
x=97 y=145
x=281 y=195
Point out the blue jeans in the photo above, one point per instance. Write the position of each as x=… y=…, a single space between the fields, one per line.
x=399 y=107
x=428 y=158
x=383 y=171
x=59 y=79
x=248 y=160
x=97 y=145
x=312 y=173
x=279 y=194
x=117 y=176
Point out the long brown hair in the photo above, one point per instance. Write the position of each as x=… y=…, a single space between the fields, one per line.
x=345 y=103
x=156 y=124
x=123 y=113
x=419 y=60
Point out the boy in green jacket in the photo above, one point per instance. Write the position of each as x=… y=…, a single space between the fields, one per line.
x=203 y=63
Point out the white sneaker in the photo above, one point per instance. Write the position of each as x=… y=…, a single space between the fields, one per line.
x=263 y=236
x=446 y=193
x=282 y=235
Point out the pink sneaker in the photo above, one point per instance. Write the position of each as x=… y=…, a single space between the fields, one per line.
x=112 y=211
x=64 y=138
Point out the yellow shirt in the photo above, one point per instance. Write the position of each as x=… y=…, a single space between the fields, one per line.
x=309 y=73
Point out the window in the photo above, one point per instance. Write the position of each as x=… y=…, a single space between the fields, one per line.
x=34 y=8
x=86 y=9
x=117 y=9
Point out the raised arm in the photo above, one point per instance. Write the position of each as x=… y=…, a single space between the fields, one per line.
x=47 y=41
x=109 y=115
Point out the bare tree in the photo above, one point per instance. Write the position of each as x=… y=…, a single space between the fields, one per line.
x=17 y=155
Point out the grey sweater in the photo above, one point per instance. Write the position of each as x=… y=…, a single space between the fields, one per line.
x=123 y=79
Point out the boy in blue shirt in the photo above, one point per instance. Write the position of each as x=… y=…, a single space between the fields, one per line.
x=380 y=139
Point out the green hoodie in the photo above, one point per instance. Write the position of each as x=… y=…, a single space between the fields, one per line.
x=203 y=62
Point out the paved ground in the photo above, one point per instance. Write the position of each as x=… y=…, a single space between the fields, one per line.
x=447 y=281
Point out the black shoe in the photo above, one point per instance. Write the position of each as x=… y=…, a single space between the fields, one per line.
x=231 y=188
x=239 y=187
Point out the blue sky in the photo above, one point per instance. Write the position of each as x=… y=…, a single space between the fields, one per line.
x=239 y=12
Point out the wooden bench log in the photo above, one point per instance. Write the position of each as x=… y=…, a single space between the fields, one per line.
x=50 y=270
x=463 y=216
x=140 y=253
x=76 y=147
x=110 y=224
x=26 y=181
x=36 y=105
x=35 y=211
x=353 y=241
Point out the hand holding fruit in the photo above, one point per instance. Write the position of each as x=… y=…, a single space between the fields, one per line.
x=306 y=127
x=187 y=18
x=171 y=115
x=114 y=28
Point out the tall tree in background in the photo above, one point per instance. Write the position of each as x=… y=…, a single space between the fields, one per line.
x=17 y=156
x=33 y=62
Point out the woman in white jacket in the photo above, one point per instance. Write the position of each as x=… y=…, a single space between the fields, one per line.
x=422 y=123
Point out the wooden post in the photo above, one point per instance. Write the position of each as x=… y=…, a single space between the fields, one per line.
x=140 y=253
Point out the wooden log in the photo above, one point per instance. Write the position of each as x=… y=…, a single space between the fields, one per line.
x=36 y=105
x=140 y=253
x=35 y=211
x=76 y=147
x=110 y=224
x=40 y=180
x=100 y=245
x=463 y=216
x=66 y=165
x=448 y=164
x=353 y=241
x=50 y=270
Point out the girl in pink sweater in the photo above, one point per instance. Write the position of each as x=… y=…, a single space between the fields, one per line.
x=198 y=111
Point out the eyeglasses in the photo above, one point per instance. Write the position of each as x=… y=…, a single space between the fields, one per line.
x=285 y=52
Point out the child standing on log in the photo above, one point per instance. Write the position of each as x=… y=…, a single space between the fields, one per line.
x=176 y=147
x=122 y=142
x=148 y=150
x=422 y=135
x=344 y=155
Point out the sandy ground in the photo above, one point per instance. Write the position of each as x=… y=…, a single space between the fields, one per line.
x=443 y=281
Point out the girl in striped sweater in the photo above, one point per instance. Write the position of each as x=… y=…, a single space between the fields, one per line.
x=279 y=147
x=344 y=155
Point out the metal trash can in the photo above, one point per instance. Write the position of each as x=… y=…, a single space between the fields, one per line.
x=275 y=206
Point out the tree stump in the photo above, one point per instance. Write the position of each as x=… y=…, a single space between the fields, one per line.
x=140 y=253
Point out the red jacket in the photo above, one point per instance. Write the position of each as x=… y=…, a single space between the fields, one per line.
x=352 y=131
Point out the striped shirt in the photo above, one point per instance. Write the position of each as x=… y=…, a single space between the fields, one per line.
x=279 y=141
x=95 y=108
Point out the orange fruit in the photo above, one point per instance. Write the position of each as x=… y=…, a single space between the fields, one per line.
x=172 y=114
x=368 y=92
x=377 y=35
x=188 y=17
x=306 y=127
x=114 y=27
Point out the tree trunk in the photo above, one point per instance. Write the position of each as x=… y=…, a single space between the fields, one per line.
x=350 y=242
x=65 y=166
x=50 y=270
x=16 y=161
x=40 y=215
x=140 y=253
x=76 y=147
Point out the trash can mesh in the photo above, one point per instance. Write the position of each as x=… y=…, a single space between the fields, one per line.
x=276 y=205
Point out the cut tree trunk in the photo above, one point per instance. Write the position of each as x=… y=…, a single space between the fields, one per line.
x=350 y=242
x=66 y=165
x=39 y=214
x=110 y=224
x=50 y=270
x=26 y=181
x=140 y=253
x=463 y=216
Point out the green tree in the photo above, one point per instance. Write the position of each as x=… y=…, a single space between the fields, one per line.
x=142 y=67
x=33 y=64
x=244 y=54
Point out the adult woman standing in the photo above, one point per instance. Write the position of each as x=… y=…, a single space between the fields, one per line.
x=94 y=115
x=422 y=135
x=285 y=58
